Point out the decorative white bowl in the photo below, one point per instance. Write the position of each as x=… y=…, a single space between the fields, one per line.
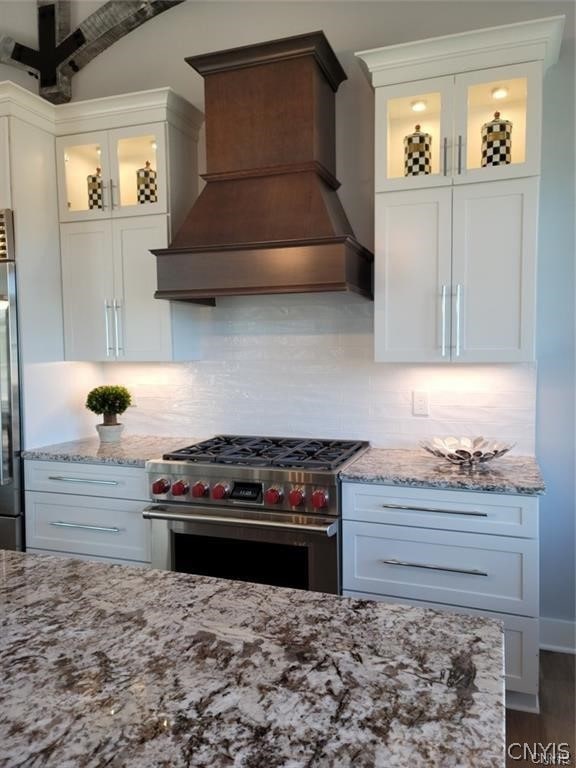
x=466 y=451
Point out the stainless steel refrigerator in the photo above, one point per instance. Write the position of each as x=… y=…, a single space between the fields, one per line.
x=11 y=519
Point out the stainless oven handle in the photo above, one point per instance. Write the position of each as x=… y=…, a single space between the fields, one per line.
x=155 y=512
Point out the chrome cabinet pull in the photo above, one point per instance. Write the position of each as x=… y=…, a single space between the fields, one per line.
x=109 y=347
x=459 y=154
x=437 y=511
x=458 y=308
x=428 y=567
x=155 y=512
x=64 y=479
x=104 y=528
x=445 y=156
x=112 y=205
x=117 y=306
x=443 y=311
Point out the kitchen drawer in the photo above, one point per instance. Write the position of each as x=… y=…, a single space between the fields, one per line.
x=495 y=573
x=107 y=480
x=521 y=640
x=90 y=558
x=493 y=513
x=111 y=528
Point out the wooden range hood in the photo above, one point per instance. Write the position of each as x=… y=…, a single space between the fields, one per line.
x=269 y=219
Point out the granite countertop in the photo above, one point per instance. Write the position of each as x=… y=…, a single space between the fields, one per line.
x=131 y=451
x=418 y=469
x=129 y=668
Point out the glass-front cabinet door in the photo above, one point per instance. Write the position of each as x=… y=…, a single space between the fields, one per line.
x=497 y=123
x=83 y=174
x=414 y=122
x=121 y=172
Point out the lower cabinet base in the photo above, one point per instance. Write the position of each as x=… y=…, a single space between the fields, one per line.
x=93 y=558
x=521 y=641
x=525 y=702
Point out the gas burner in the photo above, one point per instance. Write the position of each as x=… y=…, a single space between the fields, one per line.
x=285 y=452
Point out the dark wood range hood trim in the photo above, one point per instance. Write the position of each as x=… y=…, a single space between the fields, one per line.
x=329 y=264
x=269 y=220
x=311 y=44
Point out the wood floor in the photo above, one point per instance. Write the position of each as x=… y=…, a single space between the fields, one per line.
x=557 y=719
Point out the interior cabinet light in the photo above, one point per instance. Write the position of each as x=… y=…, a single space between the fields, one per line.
x=418 y=106
x=499 y=93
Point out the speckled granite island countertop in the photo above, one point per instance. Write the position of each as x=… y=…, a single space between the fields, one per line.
x=418 y=469
x=105 y=665
x=131 y=451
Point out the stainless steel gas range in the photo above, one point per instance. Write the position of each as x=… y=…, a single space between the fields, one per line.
x=261 y=509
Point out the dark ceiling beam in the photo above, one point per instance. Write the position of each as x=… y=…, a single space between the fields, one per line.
x=61 y=54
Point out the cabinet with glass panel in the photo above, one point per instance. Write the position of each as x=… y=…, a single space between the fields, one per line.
x=457 y=164
x=121 y=172
x=474 y=126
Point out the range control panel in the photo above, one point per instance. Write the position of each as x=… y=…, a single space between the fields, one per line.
x=278 y=496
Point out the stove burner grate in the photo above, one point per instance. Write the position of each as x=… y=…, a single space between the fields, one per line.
x=286 y=452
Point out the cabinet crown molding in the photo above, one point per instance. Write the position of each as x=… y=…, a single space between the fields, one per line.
x=535 y=40
x=127 y=109
x=16 y=101
x=122 y=110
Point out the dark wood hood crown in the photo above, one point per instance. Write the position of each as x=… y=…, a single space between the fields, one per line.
x=269 y=219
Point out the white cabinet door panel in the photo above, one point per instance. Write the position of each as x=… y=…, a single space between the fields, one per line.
x=144 y=322
x=493 y=270
x=412 y=276
x=490 y=572
x=89 y=558
x=491 y=513
x=87 y=525
x=87 y=281
x=107 y=480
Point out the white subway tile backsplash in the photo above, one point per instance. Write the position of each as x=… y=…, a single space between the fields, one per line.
x=303 y=365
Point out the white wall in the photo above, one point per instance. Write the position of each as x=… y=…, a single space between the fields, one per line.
x=303 y=364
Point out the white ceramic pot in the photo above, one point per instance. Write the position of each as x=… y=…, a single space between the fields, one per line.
x=110 y=434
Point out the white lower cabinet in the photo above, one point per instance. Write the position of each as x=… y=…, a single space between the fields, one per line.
x=467 y=552
x=87 y=510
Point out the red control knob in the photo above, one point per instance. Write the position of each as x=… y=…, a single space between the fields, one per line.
x=319 y=499
x=160 y=486
x=200 y=489
x=273 y=495
x=220 y=491
x=180 y=488
x=296 y=497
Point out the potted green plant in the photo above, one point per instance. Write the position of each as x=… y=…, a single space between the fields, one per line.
x=110 y=400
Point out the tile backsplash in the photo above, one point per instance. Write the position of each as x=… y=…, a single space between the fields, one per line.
x=303 y=365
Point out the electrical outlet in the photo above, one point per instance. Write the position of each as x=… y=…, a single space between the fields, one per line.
x=420 y=403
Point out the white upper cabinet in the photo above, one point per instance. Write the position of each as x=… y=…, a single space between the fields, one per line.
x=120 y=172
x=124 y=188
x=430 y=132
x=451 y=87
x=457 y=164
x=129 y=155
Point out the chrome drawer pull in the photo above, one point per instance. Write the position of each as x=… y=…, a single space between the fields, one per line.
x=428 y=567
x=437 y=511
x=104 y=528
x=64 y=479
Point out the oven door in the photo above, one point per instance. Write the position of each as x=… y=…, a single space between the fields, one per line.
x=299 y=551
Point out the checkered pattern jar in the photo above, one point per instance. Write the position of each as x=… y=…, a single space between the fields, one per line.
x=497 y=142
x=417 y=153
x=146 y=184
x=94 y=181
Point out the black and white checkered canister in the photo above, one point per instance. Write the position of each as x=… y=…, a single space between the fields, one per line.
x=94 y=181
x=417 y=153
x=497 y=142
x=147 y=186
